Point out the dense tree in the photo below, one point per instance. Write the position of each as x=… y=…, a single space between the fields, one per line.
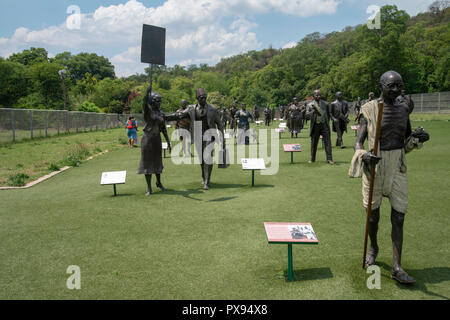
x=80 y=64
x=30 y=57
x=14 y=82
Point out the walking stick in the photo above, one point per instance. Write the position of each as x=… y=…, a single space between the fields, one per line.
x=372 y=178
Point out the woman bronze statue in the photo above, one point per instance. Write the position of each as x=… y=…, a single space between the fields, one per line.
x=151 y=146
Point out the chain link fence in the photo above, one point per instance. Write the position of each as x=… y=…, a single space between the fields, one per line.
x=19 y=124
x=427 y=102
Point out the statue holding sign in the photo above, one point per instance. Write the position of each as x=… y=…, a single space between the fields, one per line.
x=151 y=145
x=395 y=140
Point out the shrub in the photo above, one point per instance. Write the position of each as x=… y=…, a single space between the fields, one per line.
x=123 y=140
x=75 y=154
x=54 y=167
x=18 y=180
x=89 y=107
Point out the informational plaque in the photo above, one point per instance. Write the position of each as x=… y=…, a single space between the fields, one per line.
x=280 y=130
x=117 y=177
x=258 y=122
x=355 y=127
x=168 y=126
x=153 y=48
x=253 y=164
x=290 y=232
x=283 y=125
x=165 y=146
x=292 y=147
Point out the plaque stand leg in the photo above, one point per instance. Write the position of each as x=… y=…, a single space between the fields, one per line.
x=115 y=191
x=290 y=269
x=253 y=178
x=164 y=153
x=292 y=157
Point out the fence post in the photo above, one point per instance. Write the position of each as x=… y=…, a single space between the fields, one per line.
x=31 y=123
x=46 y=123
x=421 y=103
x=439 y=102
x=13 y=128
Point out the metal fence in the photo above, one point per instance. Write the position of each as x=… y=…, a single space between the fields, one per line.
x=19 y=124
x=428 y=102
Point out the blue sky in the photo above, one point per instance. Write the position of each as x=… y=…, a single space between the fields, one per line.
x=198 y=31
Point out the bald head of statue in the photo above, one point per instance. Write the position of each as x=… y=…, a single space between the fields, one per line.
x=391 y=85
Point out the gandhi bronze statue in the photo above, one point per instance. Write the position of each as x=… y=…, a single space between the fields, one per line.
x=391 y=181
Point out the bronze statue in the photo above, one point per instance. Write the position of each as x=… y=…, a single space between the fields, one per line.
x=391 y=181
x=407 y=99
x=243 y=125
x=255 y=113
x=296 y=118
x=184 y=124
x=357 y=109
x=233 y=110
x=151 y=146
x=209 y=118
x=319 y=111
x=267 y=115
x=339 y=116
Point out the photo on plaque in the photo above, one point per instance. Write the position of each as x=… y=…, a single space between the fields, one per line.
x=299 y=232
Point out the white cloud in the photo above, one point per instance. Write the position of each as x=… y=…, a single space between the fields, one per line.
x=195 y=30
x=288 y=45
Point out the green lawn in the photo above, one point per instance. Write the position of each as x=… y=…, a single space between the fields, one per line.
x=187 y=243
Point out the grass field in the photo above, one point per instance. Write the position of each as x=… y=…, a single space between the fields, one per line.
x=187 y=243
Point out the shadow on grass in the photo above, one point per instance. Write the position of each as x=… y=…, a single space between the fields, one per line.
x=225 y=186
x=256 y=186
x=310 y=274
x=185 y=193
x=425 y=276
x=121 y=195
x=222 y=199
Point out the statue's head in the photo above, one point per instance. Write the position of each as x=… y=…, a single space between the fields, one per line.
x=295 y=99
x=339 y=95
x=184 y=103
x=317 y=95
x=243 y=106
x=155 y=100
x=391 y=84
x=201 y=96
x=371 y=96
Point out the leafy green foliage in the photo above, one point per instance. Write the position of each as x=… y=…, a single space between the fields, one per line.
x=89 y=107
x=18 y=180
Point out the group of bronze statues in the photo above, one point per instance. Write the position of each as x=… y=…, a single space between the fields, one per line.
x=396 y=138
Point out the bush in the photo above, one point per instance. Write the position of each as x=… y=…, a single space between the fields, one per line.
x=17 y=180
x=123 y=140
x=54 y=167
x=76 y=154
x=89 y=107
